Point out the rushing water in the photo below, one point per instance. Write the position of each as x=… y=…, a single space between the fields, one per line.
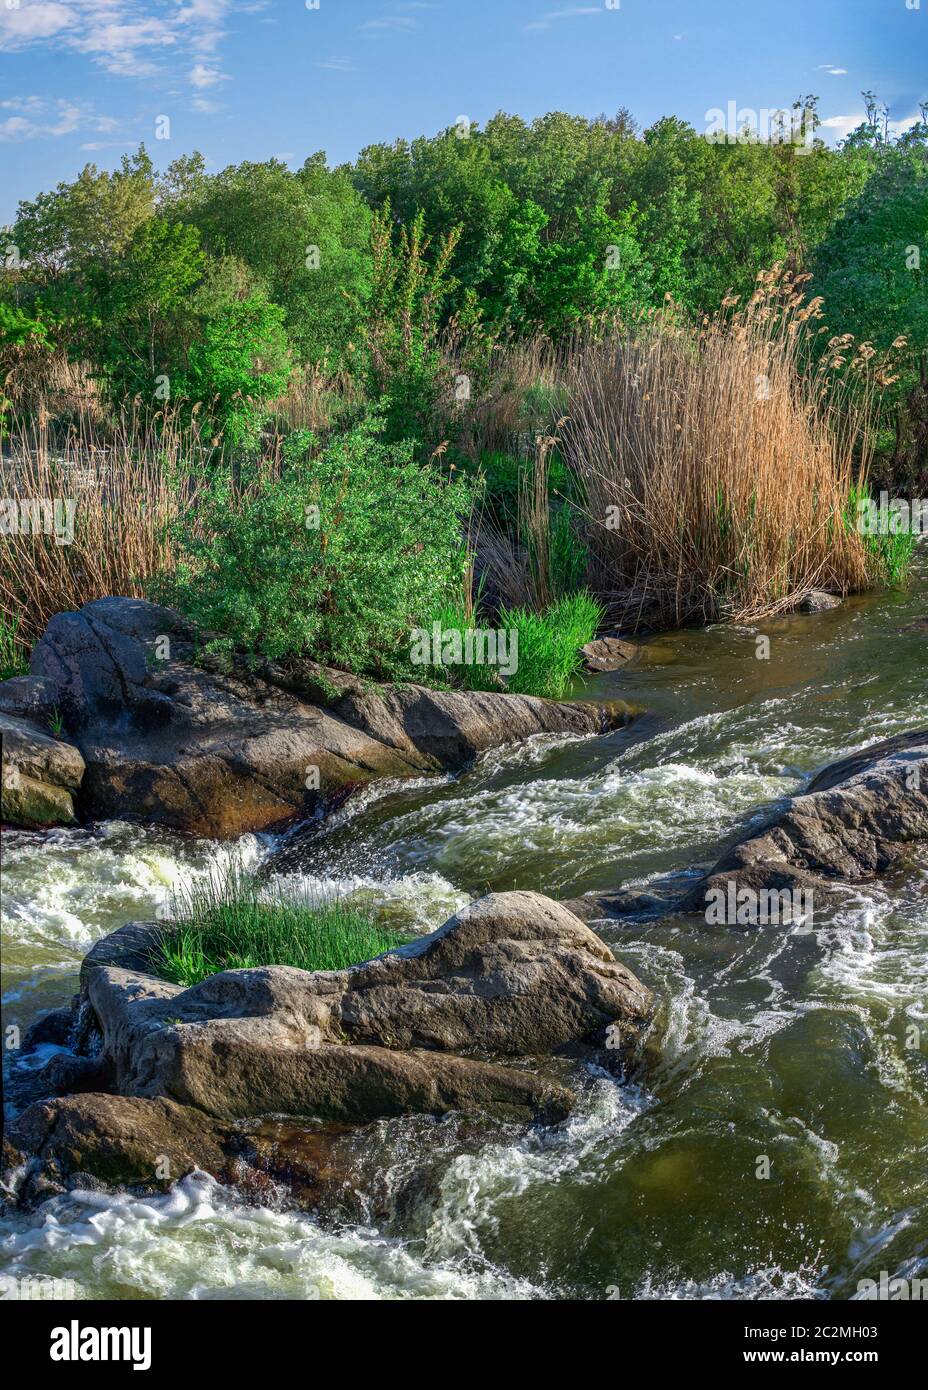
x=786 y=1042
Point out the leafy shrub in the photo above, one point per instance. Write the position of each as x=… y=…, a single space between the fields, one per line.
x=241 y=361
x=337 y=558
x=232 y=922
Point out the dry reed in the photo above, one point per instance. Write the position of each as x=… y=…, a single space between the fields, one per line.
x=124 y=491
x=716 y=467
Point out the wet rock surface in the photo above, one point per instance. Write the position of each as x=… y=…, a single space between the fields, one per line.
x=818 y=601
x=105 y=1141
x=854 y=821
x=857 y=818
x=609 y=653
x=41 y=774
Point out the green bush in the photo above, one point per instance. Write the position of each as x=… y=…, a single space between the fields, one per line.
x=338 y=558
x=241 y=362
x=231 y=922
x=550 y=642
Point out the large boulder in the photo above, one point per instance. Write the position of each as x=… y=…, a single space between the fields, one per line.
x=41 y=775
x=419 y=1029
x=168 y=736
x=856 y=819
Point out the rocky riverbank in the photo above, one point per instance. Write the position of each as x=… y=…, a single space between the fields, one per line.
x=154 y=730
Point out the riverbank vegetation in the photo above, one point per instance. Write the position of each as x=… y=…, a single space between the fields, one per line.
x=560 y=376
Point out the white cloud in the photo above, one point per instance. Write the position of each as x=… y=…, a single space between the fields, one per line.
x=843 y=125
x=831 y=70
x=547 y=20
x=202 y=76
x=93 y=145
x=130 y=38
x=29 y=23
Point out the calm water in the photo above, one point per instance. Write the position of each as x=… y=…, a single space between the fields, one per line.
x=785 y=1042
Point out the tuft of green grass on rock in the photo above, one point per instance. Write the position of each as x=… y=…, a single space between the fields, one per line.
x=230 y=921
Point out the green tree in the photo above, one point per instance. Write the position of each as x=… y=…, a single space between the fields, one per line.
x=134 y=311
x=303 y=235
x=872 y=271
x=399 y=355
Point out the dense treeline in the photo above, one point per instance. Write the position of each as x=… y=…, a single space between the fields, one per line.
x=208 y=288
x=467 y=356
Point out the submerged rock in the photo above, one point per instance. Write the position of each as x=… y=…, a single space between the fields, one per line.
x=168 y=736
x=818 y=601
x=608 y=653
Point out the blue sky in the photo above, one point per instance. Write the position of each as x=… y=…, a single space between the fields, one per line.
x=86 y=80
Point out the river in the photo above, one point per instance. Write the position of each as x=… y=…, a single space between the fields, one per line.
x=788 y=1043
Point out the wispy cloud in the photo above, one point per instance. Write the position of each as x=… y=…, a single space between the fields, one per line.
x=388 y=22
x=33 y=118
x=29 y=23
x=338 y=65
x=843 y=125
x=831 y=70
x=94 y=145
x=547 y=21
